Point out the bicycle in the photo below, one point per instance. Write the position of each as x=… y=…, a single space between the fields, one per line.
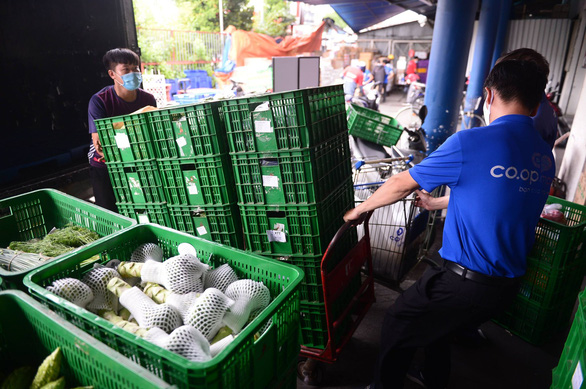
x=469 y=118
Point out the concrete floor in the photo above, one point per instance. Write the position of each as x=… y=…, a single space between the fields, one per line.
x=506 y=361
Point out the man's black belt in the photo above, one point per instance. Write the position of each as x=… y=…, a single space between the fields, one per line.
x=476 y=276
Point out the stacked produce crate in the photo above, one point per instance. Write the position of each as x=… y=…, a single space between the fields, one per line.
x=571 y=369
x=171 y=167
x=555 y=268
x=291 y=162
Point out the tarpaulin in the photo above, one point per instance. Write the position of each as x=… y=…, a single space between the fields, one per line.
x=247 y=44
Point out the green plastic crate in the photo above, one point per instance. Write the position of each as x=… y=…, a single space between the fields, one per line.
x=559 y=245
x=189 y=131
x=198 y=181
x=292 y=120
x=157 y=213
x=136 y=182
x=573 y=353
x=294 y=176
x=29 y=332
x=295 y=229
x=314 y=326
x=245 y=363
x=218 y=223
x=534 y=323
x=547 y=286
x=35 y=214
x=373 y=126
x=126 y=138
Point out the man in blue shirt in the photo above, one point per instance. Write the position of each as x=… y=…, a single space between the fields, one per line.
x=499 y=177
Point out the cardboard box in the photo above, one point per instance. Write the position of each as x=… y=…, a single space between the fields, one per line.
x=580 y=195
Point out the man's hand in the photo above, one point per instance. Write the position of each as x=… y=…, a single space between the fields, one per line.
x=427 y=201
x=352 y=214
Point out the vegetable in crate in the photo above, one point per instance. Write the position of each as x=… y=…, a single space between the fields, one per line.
x=147 y=313
x=181 y=302
x=73 y=290
x=147 y=251
x=124 y=324
x=97 y=279
x=49 y=370
x=180 y=274
x=185 y=341
x=220 y=277
x=57 y=384
x=20 y=378
x=57 y=242
x=208 y=311
x=248 y=296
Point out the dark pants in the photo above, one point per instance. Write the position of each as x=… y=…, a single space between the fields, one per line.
x=425 y=315
x=103 y=192
x=382 y=90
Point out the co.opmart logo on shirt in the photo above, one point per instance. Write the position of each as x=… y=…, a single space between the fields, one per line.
x=542 y=162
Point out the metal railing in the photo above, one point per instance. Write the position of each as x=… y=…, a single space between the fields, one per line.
x=183 y=49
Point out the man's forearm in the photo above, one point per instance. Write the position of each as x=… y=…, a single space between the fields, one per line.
x=394 y=189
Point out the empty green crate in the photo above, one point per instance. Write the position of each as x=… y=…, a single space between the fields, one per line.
x=246 y=363
x=561 y=245
x=198 y=181
x=126 y=138
x=136 y=182
x=29 y=332
x=294 y=176
x=373 y=126
x=189 y=131
x=288 y=120
x=33 y=215
x=218 y=223
x=295 y=229
x=314 y=325
x=547 y=286
x=534 y=323
x=157 y=213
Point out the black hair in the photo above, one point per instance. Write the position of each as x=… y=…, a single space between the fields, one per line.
x=517 y=80
x=526 y=54
x=120 y=56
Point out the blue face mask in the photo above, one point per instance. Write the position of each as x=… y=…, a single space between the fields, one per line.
x=131 y=81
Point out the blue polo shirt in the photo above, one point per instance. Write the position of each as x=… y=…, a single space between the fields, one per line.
x=499 y=176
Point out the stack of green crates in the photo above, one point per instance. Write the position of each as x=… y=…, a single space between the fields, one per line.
x=172 y=167
x=292 y=171
x=571 y=370
x=555 y=269
x=129 y=150
x=192 y=156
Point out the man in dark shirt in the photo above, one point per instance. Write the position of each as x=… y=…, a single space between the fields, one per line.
x=122 y=98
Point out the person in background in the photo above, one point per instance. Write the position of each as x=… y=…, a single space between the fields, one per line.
x=380 y=77
x=368 y=77
x=489 y=227
x=390 y=79
x=353 y=78
x=121 y=98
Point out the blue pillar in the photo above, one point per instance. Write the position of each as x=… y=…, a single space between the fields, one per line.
x=501 y=35
x=454 y=23
x=483 y=51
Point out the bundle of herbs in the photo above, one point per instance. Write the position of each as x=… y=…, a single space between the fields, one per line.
x=55 y=243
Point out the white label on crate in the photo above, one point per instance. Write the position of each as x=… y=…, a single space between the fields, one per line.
x=142 y=219
x=276 y=236
x=385 y=120
x=201 y=230
x=263 y=126
x=122 y=141
x=272 y=181
x=181 y=141
x=192 y=189
x=577 y=378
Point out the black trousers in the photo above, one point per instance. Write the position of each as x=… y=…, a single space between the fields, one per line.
x=426 y=315
x=103 y=192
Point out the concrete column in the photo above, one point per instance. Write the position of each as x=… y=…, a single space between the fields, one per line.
x=501 y=35
x=452 y=34
x=488 y=25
